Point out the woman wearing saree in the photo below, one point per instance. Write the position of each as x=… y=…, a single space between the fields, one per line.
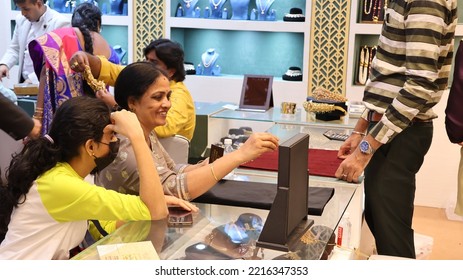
x=51 y=52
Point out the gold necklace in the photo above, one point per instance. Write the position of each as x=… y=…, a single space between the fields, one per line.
x=376 y=10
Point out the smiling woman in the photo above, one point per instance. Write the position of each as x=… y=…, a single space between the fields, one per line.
x=148 y=98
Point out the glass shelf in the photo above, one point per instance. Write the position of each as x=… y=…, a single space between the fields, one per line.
x=273 y=115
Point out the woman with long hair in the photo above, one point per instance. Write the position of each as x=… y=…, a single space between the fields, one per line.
x=46 y=205
x=51 y=52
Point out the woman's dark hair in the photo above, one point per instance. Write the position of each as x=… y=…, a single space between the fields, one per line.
x=76 y=121
x=87 y=17
x=134 y=80
x=171 y=53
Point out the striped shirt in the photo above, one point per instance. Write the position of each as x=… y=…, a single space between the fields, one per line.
x=412 y=64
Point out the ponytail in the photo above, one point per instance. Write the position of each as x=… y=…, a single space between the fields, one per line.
x=36 y=157
x=77 y=120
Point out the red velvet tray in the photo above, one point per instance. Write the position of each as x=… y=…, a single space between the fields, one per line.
x=321 y=162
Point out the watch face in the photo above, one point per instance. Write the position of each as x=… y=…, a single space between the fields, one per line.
x=364 y=147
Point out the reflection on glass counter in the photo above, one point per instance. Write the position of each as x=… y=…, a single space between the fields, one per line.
x=229 y=232
x=301 y=117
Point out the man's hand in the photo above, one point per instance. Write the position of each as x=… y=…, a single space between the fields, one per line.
x=35 y=132
x=4 y=72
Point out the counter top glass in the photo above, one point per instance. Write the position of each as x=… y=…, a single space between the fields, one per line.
x=301 y=117
x=205 y=239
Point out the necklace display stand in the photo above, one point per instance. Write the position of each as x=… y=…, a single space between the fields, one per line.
x=208 y=66
x=239 y=9
x=189 y=8
x=216 y=8
x=263 y=7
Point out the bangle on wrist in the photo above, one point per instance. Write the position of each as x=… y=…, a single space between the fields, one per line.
x=358 y=132
x=212 y=171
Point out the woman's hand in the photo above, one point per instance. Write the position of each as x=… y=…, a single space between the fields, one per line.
x=257 y=144
x=78 y=61
x=106 y=97
x=172 y=200
x=125 y=123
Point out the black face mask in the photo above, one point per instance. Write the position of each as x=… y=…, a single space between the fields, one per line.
x=104 y=161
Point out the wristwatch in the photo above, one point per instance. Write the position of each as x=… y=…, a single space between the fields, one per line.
x=366 y=148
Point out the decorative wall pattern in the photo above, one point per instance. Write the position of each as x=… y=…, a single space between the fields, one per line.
x=328 y=45
x=148 y=24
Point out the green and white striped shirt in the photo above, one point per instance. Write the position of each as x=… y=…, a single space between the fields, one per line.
x=412 y=64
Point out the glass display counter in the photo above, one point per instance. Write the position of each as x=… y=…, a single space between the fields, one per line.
x=301 y=117
x=206 y=238
x=218 y=232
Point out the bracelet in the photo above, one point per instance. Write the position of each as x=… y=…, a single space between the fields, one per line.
x=212 y=171
x=358 y=132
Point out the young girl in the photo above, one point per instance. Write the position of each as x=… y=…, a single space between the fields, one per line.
x=45 y=207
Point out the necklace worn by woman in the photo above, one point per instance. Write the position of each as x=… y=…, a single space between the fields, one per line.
x=216 y=5
x=264 y=8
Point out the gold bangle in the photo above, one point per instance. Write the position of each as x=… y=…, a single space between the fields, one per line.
x=359 y=133
x=212 y=171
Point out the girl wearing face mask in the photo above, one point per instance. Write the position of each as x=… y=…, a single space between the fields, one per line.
x=45 y=207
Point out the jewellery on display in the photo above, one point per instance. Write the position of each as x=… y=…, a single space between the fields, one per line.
x=189 y=68
x=321 y=107
x=197 y=12
x=207 y=64
x=367 y=12
x=216 y=5
x=187 y=3
x=376 y=10
x=207 y=12
x=364 y=64
x=253 y=15
x=179 y=12
x=264 y=8
x=293 y=74
x=326 y=95
x=295 y=14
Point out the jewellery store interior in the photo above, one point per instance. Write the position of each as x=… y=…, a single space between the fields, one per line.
x=245 y=107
